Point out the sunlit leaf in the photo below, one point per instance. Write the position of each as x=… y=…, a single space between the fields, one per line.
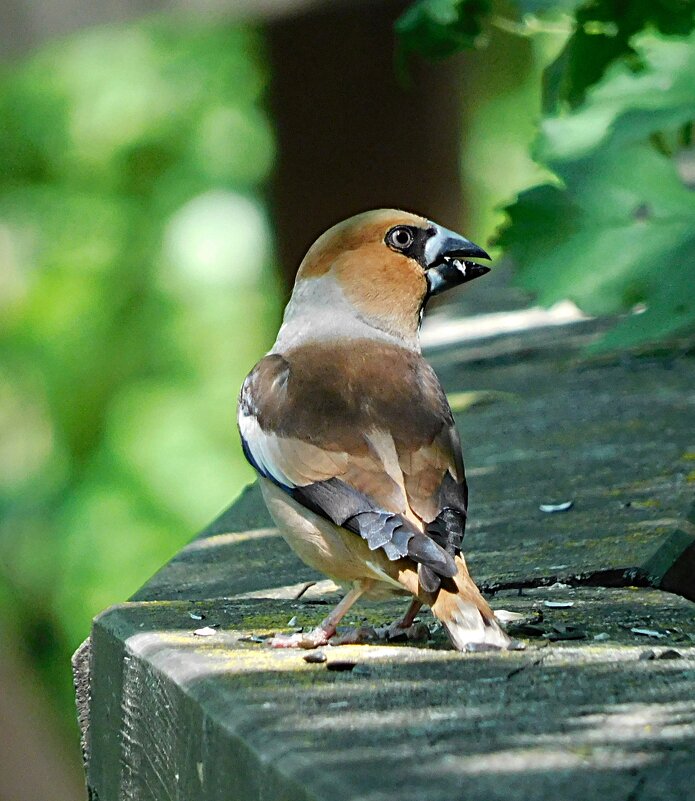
x=602 y=34
x=620 y=229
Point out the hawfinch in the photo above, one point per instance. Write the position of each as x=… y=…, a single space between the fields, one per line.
x=350 y=430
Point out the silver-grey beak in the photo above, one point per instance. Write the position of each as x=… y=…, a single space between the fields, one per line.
x=446 y=255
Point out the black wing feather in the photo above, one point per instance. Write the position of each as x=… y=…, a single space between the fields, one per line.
x=448 y=528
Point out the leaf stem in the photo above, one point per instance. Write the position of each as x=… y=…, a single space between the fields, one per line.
x=531 y=25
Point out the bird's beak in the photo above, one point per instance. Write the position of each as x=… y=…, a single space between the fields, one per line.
x=446 y=255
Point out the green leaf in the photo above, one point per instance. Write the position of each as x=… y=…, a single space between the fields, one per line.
x=619 y=229
x=541 y=7
x=602 y=34
x=436 y=29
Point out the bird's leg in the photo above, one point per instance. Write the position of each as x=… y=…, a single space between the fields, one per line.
x=405 y=628
x=407 y=620
x=399 y=631
x=330 y=624
x=327 y=628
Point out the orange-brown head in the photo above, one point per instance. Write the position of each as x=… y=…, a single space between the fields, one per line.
x=379 y=268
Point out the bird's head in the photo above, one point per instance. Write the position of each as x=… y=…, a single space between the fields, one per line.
x=385 y=265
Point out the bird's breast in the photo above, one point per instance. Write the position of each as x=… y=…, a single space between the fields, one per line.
x=329 y=549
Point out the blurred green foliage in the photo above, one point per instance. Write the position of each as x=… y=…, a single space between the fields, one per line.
x=608 y=221
x=439 y=28
x=136 y=289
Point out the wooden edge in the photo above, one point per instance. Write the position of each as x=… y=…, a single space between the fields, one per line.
x=150 y=736
x=672 y=568
x=680 y=577
x=81 y=681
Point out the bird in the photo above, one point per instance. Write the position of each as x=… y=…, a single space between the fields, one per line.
x=351 y=434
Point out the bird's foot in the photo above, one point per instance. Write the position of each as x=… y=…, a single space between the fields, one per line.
x=397 y=632
x=366 y=634
x=304 y=639
x=361 y=635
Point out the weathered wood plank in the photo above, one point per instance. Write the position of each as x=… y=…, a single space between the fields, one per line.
x=177 y=716
x=186 y=717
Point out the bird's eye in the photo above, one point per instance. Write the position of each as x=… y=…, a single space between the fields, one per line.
x=400 y=238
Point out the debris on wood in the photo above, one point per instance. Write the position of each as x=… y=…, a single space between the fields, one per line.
x=670 y=653
x=206 y=631
x=303 y=589
x=527 y=630
x=525 y=666
x=645 y=504
x=260 y=638
x=505 y=616
x=560 y=632
x=659 y=635
x=340 y=665
x=556 y=507
x=315 y=657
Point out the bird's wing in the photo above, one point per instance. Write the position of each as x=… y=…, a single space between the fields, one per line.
x=366 y=441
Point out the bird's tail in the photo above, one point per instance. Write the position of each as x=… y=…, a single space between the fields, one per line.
x=466 y=615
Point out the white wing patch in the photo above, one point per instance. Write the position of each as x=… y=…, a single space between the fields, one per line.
x=289 y=461
x=257 y=443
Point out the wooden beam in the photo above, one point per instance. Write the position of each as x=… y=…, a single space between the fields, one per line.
x=350 y=136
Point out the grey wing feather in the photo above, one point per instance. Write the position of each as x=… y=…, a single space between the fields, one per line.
x=398 y=537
